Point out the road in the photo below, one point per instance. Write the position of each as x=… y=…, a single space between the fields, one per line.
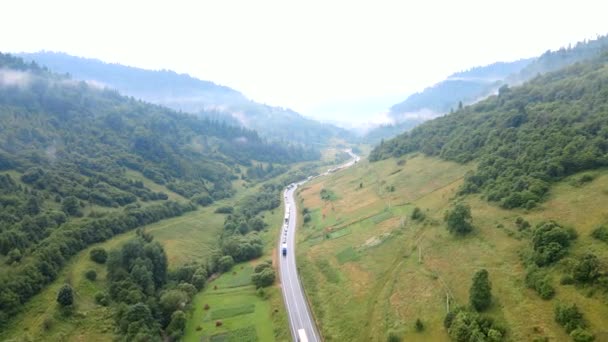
x=300 y=316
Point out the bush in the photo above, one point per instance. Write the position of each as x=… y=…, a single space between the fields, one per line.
x=581 y=335
x=224 y=210
x=419 y=326
x=264 y=278
x=102 y=298
x=459 y=219
x=550 y=242
x=225 y=263
x=91 y=275
x=65 y=296
x=262 y=266
x=480 y=294
x=99 y=255
x=417 y=215
x=587 y=269
x=540 y=282
x=307 y=218
x=600 y=233
x=393 y=337
x=570 y=317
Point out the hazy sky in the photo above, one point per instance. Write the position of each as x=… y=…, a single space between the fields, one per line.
x=328 y=57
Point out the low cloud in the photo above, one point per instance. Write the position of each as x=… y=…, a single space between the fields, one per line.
x=14 y=78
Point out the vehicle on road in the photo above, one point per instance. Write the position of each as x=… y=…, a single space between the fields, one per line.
x=284 y=249
x=302 y=335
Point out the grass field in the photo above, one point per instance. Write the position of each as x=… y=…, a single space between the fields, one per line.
x=234 y=300
x=389 y=270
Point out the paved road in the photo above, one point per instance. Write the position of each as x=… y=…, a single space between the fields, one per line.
x=299 y=313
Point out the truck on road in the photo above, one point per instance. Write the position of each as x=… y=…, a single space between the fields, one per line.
x=284 y=249
x=302 y=335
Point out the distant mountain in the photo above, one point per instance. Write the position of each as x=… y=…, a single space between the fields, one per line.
x=476 y=84
x=185 y=93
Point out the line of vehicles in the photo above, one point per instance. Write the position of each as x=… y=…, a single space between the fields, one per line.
x=285 y=228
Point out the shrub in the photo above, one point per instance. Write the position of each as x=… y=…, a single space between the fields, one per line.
x=102 y=298
x=206 y=307
x=540 y=282
x=459 y=219
x=417 y=214
x=99 y=255
x=218 y=323
x=480 y=294
x=419 y=326
x=91 y=275
x=587 y=269
x=307 y=218
x=224 y=210
x=65 y=296
x=550 y=242
x=600 y=233
x=264 y=278
x=393 y=337
x=225 y=263
x=581 y=335
x=569 y=317
x=47 y=324
x=262 y=266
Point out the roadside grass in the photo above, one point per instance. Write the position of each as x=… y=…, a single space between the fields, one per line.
x=391 y=270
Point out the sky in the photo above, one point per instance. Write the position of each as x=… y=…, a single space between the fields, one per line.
x=331 y=59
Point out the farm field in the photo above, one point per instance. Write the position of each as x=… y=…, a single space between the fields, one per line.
x=369 y=269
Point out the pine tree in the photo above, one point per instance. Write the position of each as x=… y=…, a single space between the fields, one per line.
x=480 y=295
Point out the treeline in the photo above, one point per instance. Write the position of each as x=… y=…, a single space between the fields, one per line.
x=46 y=260
x=523 y=139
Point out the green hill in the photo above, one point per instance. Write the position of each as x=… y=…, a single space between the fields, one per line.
x=185 y=93
x=523 y=139
x=79 y=165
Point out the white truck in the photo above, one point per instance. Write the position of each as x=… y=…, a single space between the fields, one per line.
x=284 y=249
x=302 y=335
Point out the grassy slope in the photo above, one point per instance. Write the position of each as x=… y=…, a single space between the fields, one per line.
x=370 y=281
x=234 y=289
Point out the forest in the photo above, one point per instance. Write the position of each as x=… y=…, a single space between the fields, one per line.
x=523 y=139
x=67 y=154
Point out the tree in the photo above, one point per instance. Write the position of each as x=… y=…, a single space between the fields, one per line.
x=14 y=256
x=459 y=219
x=264 y=278
x=175 y=329
x=65 y=296
x=71 y=206
x=417 y=214
x=480 y=294
x=587 y=269
x=91 y=275
x=419 y=325
x=99 y=255
x=225 y=263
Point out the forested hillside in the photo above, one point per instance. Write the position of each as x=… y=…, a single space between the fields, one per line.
x=469 y=86
x=523 y=139
x=185 y=93
x=68 y=153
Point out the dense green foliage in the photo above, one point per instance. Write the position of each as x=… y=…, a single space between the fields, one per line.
x=145 y=297
x=480 y=294
x=538 y=280
x=99 y=255
x=524 y=138
x=68 y=152
x=263 y=275
x=459 y=219
x=65 y=296
x=571 y=318
x=550 y=242
x=184 y=93
x=465 y=326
